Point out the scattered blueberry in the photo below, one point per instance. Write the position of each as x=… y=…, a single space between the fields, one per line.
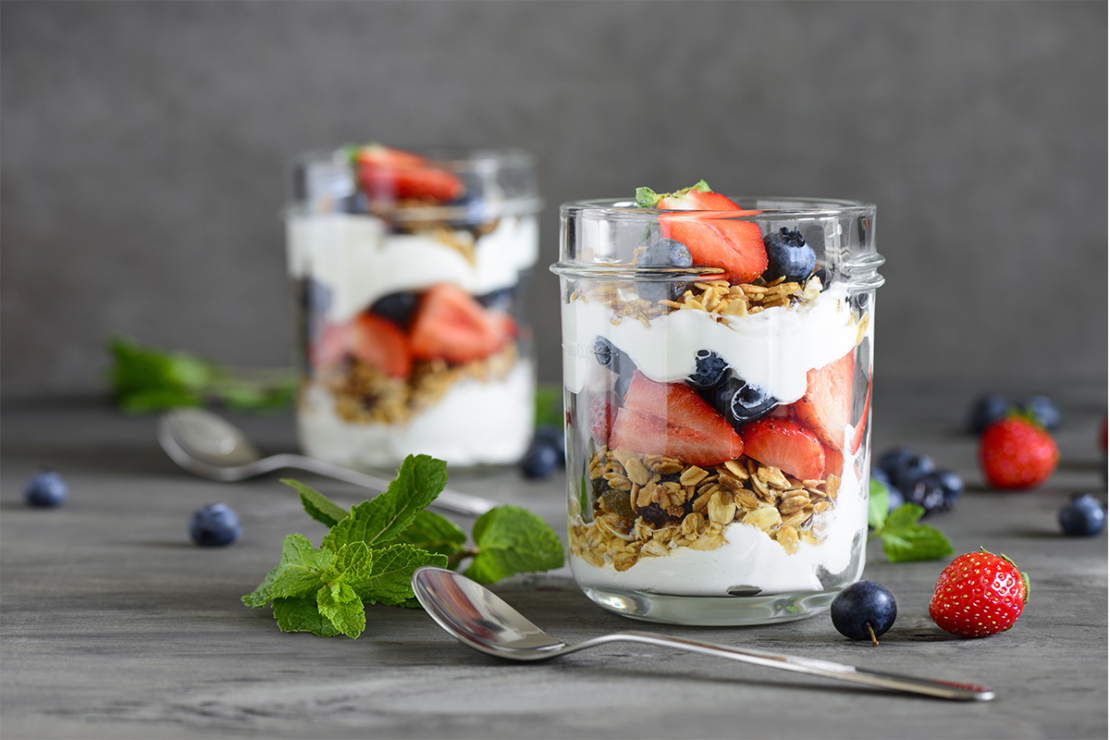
x=951 y=484
x=1044 y=411
x=214 y=525
x=45 y=488
x=863 y=611
x=904 y=467
x=541 y=459
x=555 y=436
x=894 y=496
x=1083 y=516
x=788 y=256
x=663 y=253
x=926 y=492
x=710 y=370
x=397 y=307
x=986 y=410
x=740 y=402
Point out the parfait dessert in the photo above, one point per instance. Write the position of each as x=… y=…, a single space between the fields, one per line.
x=407 y=273
x=717 y=370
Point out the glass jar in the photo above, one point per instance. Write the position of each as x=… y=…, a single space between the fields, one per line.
x=408 y=274
x=718 y=410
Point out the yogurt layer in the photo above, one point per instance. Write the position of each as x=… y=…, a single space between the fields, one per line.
x=360 y=261
x=475 y=423
x=773 y=349
x=749 y=558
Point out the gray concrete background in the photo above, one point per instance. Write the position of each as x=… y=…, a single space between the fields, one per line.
x=144 y=148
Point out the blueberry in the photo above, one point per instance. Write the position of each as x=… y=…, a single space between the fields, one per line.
x=1044 y=411
x=863 y=611
x=554 y=436
x=499 y=300
x=45 y=488
x=905 y=467
x=607 y=355
x=927 y=492
x=891 y=459
x=214 y=525
x=540 y=460
x=986 y=410
x=1083 y=517
x=951 y=484
x=663 y=253
x=740 y=402
x=788 y=256
x=397 y=307
x=894 y=496
x=710 y=370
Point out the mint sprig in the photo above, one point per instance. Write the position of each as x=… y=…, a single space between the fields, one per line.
x=903 y=539
x=145 y=378
x=370 y=552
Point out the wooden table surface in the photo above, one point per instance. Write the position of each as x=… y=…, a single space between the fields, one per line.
x=113 y=625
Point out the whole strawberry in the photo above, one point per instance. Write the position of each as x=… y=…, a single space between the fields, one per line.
x=1016 y=453
x=979 y=594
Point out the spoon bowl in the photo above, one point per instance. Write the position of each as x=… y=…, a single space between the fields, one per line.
x=211 y=447
x=479 y=618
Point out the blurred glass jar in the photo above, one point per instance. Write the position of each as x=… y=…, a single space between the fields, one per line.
x=718 y=405
x=408 y=273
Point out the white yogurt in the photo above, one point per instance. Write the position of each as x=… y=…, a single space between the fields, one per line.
x=773 y=349
x=359 y=261
x=748 y=558
x=475 y=423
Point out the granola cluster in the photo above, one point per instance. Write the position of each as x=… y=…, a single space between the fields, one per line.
x=648 y=505
x=365 y=395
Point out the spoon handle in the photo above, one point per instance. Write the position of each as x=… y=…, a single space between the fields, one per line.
x=452 y=501
x=826 y=669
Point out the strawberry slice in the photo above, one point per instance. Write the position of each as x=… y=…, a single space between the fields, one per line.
x=331 y=347
x=827 y=405
x=787 y=445
x=392 y=174
x=672 y=419
x=450 y=325
x=380 y=343
x=714 y=239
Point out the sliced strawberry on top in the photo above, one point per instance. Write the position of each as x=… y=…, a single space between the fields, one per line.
x=714 y=239
x=786 y=445
x=380 y=343
x=672 y=419
x=451 y=325
x=827 y=405
x=391 y=174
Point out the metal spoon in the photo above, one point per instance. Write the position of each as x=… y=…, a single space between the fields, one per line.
x=478 y=618
x=212 y=448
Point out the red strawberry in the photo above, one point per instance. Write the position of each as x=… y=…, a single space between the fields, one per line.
x=979 y=594
x=826 y=408
x=1016 y=453
x=713 y=238
x=393 y=174
x=602 y=414
x=834 y=462
x=330 y=347
x=672 y=419
x=380 y=343
x=450 y=325
x=787 y=445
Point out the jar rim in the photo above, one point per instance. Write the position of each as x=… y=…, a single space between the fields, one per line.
x=776 y=206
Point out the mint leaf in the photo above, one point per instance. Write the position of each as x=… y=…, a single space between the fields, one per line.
x=380 y=520
x=297 y=574
x=916 y=542
x=391 y=581
x=302 y=615
x=434 y=533
x=340 y=605
x=878 y=504
x=512 y=540
x=352 y=564
x=318 y=506
x=904 y=516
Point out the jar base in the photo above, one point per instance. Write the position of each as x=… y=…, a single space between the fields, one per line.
x=712 y=611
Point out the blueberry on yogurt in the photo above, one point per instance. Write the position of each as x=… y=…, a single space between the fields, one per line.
x=788 y=256
x=741 y=402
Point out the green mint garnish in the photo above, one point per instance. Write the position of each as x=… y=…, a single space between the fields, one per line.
x=903 y=538
x=147 y=379
x=369 y=554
